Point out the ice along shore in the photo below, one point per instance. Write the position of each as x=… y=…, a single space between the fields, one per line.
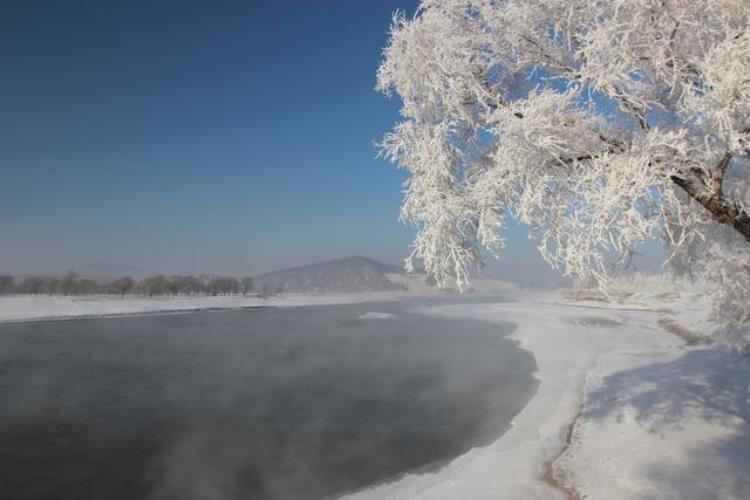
x=625 y=408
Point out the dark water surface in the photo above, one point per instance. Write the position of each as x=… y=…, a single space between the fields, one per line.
x=268 y=403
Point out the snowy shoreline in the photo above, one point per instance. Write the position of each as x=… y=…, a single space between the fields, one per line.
x=622 y=408
x=27 y=308
x=583 y=353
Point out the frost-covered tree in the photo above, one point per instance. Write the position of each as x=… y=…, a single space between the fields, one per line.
x=246 y=285
x=600 y=124
x=122 y=286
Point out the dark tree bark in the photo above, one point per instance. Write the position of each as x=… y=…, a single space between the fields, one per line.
x=712 y=198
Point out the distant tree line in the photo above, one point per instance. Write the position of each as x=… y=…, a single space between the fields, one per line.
x=174 y=285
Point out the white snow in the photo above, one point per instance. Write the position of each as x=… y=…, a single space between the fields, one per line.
x=657 y=419
x=377 y=315
x=29 y=307
x=663 y=424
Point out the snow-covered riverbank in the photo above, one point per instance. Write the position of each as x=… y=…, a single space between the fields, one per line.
x=625 y=409
x=46 y=307
x=42 y=307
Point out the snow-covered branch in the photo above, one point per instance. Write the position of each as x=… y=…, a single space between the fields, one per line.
x=599 y=124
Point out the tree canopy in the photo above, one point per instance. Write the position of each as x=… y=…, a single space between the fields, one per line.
x=598 y=124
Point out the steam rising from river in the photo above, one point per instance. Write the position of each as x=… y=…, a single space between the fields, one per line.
x=302 y=403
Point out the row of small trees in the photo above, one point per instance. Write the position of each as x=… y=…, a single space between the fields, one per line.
x=37 y=285
x=151 y=286
x=192 y=285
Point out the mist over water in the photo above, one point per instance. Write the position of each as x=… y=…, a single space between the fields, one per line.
x=274 y=403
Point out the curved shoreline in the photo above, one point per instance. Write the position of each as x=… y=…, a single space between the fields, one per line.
x=499 y=398
x=135 y=314
x=659 y=417
x=566 y=344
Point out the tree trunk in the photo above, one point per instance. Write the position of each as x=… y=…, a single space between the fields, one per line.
x=721 y=209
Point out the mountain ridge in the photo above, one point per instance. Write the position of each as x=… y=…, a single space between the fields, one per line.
x=355 y=274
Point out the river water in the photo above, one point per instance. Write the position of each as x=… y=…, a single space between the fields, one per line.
x=286 y=403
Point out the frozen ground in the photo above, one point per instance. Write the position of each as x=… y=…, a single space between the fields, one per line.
x=29 y=307
x=625 y=408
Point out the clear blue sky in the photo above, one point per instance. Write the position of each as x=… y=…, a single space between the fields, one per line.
x=184 y=136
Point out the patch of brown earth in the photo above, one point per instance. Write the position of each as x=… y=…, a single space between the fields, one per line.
x=610 y=308
x=585 y=295
x=596 y=321
x=688 y=336
x=557 y=479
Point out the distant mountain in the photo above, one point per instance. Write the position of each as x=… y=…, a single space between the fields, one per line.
x=351 y=275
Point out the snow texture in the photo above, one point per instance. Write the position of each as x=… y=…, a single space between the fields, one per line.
x=377 y=315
